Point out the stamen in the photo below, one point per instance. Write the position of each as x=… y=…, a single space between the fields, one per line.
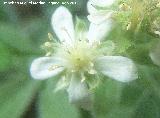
x=128 y=26
x=68 y=52
x=63 y=28
x=73 y=71
x=91 y=64
x=95 y=44
x=92 y=71
x=82 y=77
x=48 y=54
x=157 y=32
x=158 y=5
x=124 y=7
x=50 y=37
x=48 y=44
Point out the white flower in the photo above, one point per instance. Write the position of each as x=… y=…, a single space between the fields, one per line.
x=76 y=59
x=101 y=16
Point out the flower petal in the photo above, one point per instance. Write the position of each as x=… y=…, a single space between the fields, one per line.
x=45 y=67
x=79 y=93
x=102 y=3
x=90 y=7
x=117 y=67
x=98 y=32
x=100 y=17
x=62 y=24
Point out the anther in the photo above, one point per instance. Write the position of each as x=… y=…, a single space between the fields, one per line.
x=157 y=32
x=92 y=71
x=91 y=64
x=128 y=26
x=124 y=7
x=48 y=54
x=82 y=77
x=158 y=5
x=73 y=71
x=50 y=36
x=63 y=28
x=68 y=52
x=48 y=44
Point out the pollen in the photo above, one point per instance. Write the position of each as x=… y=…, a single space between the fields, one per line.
x=79 y=56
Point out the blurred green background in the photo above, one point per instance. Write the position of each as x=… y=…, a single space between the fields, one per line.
x=23 y=29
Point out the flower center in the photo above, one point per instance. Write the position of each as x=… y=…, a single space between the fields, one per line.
x=79 y=56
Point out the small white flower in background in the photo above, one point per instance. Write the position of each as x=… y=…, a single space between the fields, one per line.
x=79 y=58
x=99 y=14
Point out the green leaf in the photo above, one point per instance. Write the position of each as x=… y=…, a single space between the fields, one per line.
x=5 y=57
x=121 y=39
x=107 y=47
x=55 y=105
x=15 y=96
x=121 y=112
x=107 y=97
x=13 y=36
x=128 y=97
x=148 y=106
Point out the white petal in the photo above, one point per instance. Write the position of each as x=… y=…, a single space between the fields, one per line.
x=103 y=3
x=45 y=67
x=79 y=93
x=98 y=32
x=62 y=24
x=91 y=8
x=155 y=54
x=100 y=17
x=117 y=67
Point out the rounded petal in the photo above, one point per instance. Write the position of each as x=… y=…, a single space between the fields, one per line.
x=117 y=67
x=98 y=32
x=45 y=67
x=155 y=54
x=62 y=24
x=79 y=93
